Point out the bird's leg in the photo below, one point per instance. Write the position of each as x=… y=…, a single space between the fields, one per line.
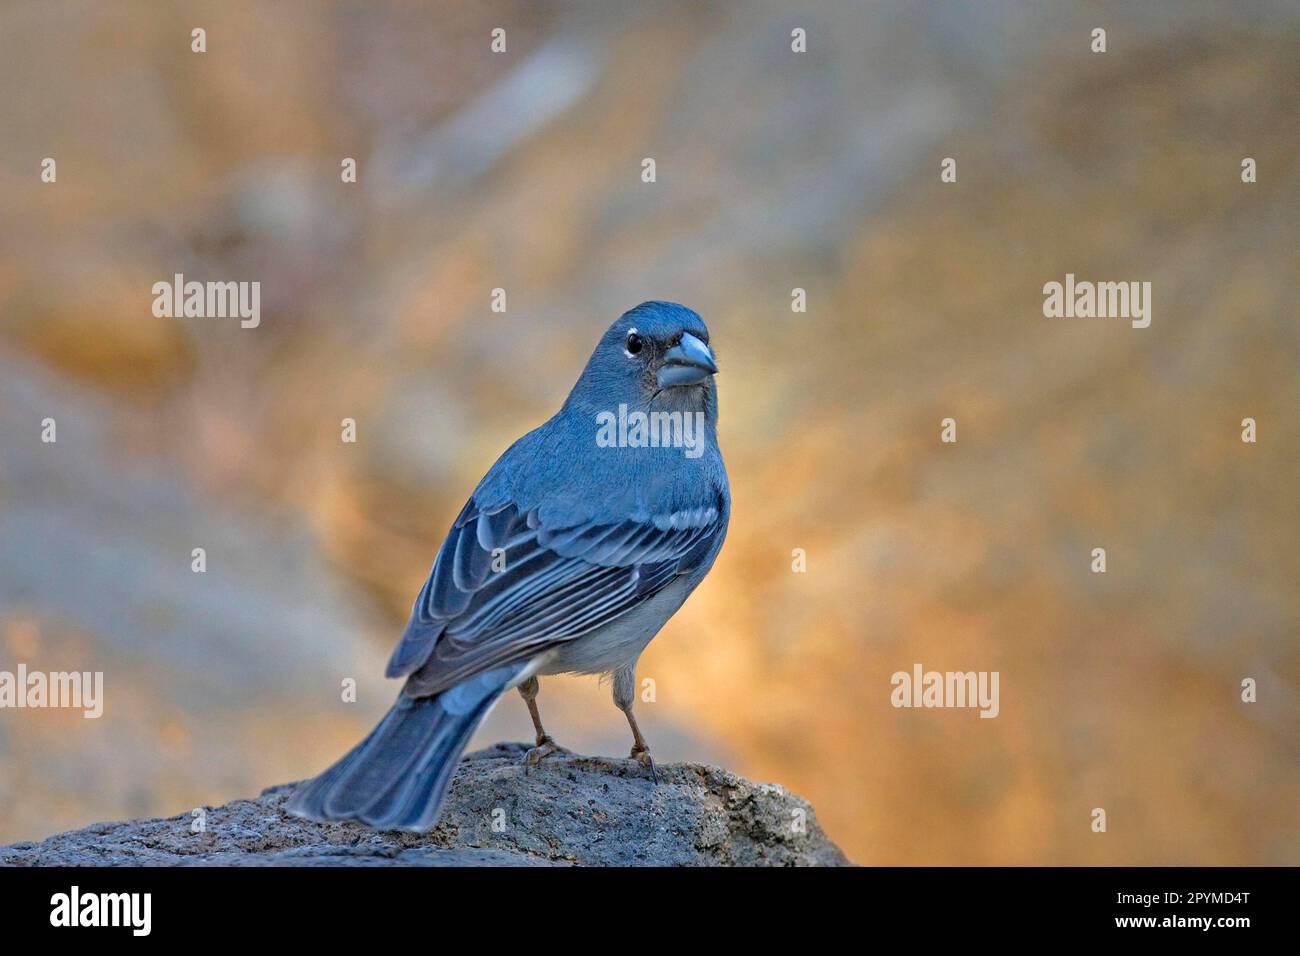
x=624 y=694
x=545 y=744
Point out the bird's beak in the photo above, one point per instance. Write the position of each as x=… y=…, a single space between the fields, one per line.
x=689 y=362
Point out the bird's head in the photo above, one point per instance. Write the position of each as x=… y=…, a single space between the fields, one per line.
x=656 y=354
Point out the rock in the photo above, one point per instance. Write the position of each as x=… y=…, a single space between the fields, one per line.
x=569 y=810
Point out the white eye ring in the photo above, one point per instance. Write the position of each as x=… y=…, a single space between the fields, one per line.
x=627 y=338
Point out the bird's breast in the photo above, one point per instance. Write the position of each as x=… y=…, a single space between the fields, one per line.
x=621 y=641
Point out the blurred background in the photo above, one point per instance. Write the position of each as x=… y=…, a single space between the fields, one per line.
x=775 y=170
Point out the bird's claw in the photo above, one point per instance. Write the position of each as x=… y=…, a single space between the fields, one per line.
x=643 y=757
x=546 y=746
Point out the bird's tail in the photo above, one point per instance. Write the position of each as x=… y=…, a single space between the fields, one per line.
x=397 y=777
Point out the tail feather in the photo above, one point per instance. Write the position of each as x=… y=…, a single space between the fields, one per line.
x=397 y=777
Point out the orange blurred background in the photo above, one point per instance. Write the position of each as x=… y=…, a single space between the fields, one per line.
x=775 y=171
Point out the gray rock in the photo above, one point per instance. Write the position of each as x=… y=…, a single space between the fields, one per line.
x=570 y=810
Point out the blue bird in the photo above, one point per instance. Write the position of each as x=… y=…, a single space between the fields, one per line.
x=578 y=545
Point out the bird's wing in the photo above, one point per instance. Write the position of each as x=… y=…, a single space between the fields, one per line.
x=509 y=583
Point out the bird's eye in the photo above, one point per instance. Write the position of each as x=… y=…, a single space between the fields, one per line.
x=634 y=343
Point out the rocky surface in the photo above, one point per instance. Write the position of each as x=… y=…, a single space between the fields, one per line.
x=569 y=810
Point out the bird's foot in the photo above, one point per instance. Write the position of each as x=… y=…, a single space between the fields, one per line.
x=642 y=756
x=546 y=746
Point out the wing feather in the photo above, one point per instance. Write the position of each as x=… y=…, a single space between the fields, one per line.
x=556 y=583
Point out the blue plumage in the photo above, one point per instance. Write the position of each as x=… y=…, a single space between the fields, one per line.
x=570 y=555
